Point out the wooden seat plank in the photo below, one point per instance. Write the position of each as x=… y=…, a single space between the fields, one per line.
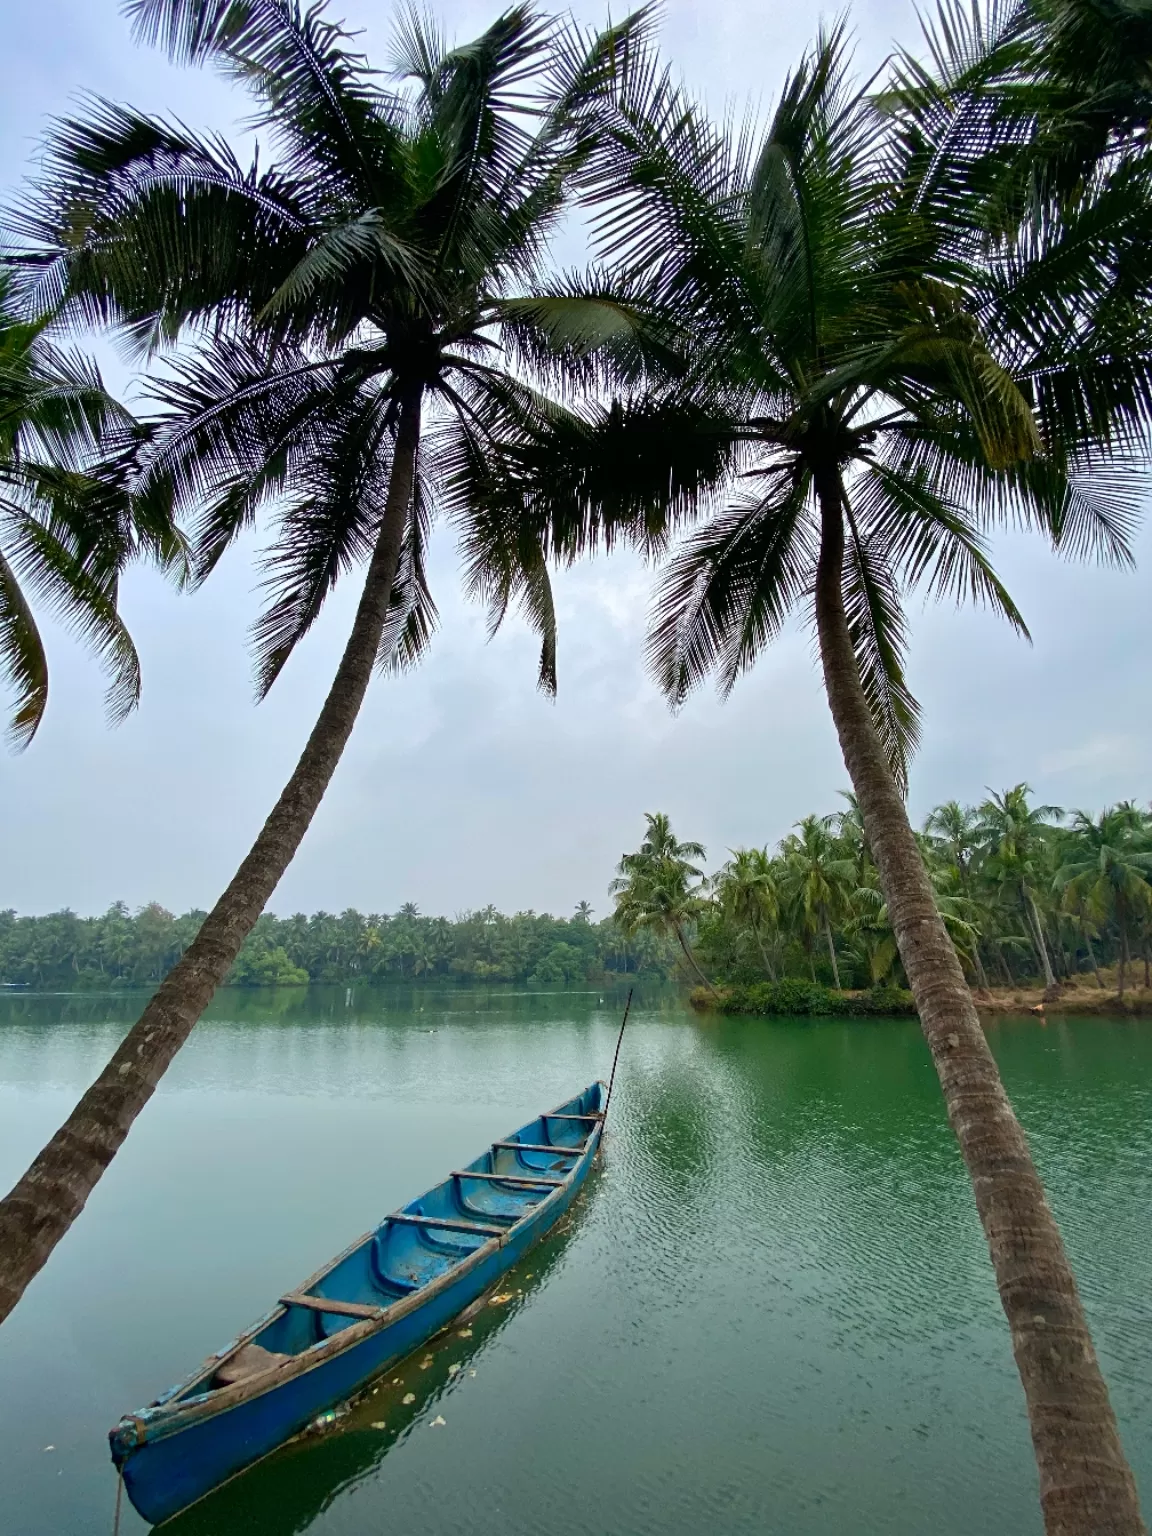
x=533 y=1146
x=507 y=1178
x=327 y=1304
x=444 y=1224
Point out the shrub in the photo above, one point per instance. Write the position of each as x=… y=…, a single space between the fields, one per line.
x=793 y=997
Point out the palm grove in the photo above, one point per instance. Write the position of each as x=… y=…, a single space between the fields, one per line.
x=817 y=364
x=1029 y=895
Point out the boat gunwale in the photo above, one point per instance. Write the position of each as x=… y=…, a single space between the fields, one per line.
x=170 y=1413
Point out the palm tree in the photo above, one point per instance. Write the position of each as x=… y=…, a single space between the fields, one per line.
x=660 y=887
x=952 y=830
x=1109 y=873
x=68 y=522
x=952 y=827
x=870 y=934
x=746 y=888
x=816 y=881
x=1012 y=835
x=351 y=314
x=830 y=348
x=583 y=912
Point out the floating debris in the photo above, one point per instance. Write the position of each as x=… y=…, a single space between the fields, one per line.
x=452 y=1370
x=464 y=1333
x=49 y=1447
x=409 y=1397
x=379 y=1424
x=498 y=1301
x=437 y=1421
x=325 y=1421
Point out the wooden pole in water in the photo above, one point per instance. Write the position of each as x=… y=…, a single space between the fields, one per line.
x=616 y=1058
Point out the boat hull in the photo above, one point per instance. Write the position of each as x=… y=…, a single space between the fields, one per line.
x=174 y=1453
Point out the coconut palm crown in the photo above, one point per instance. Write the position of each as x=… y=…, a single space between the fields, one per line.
x=380 y=262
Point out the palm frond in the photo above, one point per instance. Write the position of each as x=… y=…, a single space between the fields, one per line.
x=316 y=93
x=729 y=589
x=412 y=616
x=49 y=573
x=879 y=636
x=23 y=664
x=141 y=224
x=928 y=537
x=582 y=479
x=326 y=526
x=593 y=330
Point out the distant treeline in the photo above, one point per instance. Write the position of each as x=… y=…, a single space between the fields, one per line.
x=124 y=948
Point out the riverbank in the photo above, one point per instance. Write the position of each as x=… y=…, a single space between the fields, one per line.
x=790 y=998
x=1082 y=997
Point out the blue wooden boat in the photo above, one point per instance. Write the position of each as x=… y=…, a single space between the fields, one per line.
x=379 y=1300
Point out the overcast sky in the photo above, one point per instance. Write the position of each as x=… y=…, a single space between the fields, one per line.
x=462 y=784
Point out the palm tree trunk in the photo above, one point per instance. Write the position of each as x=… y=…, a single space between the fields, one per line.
x=42 y=1206
x=1051 y=989
x=1086 y=1485
x=832 y=952
x=981 y=974
x=768 y=966
x=691 y=959
x=1125 y=956
x=1092 y=956
x=1004 y=966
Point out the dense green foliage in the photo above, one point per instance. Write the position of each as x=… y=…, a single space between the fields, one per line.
x=1021 y=888
x=120 y=948
x=1027 y=894
x=792 y=997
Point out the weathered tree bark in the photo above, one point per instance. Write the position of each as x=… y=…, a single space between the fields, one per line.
x=39 y=1210
x=1086 y=1485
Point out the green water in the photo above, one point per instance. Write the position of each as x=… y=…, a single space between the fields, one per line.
x=772 y=1311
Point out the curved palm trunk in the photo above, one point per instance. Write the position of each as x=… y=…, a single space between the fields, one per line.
x=1086 y=1486
x=38 y=1211
x=691 y=959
